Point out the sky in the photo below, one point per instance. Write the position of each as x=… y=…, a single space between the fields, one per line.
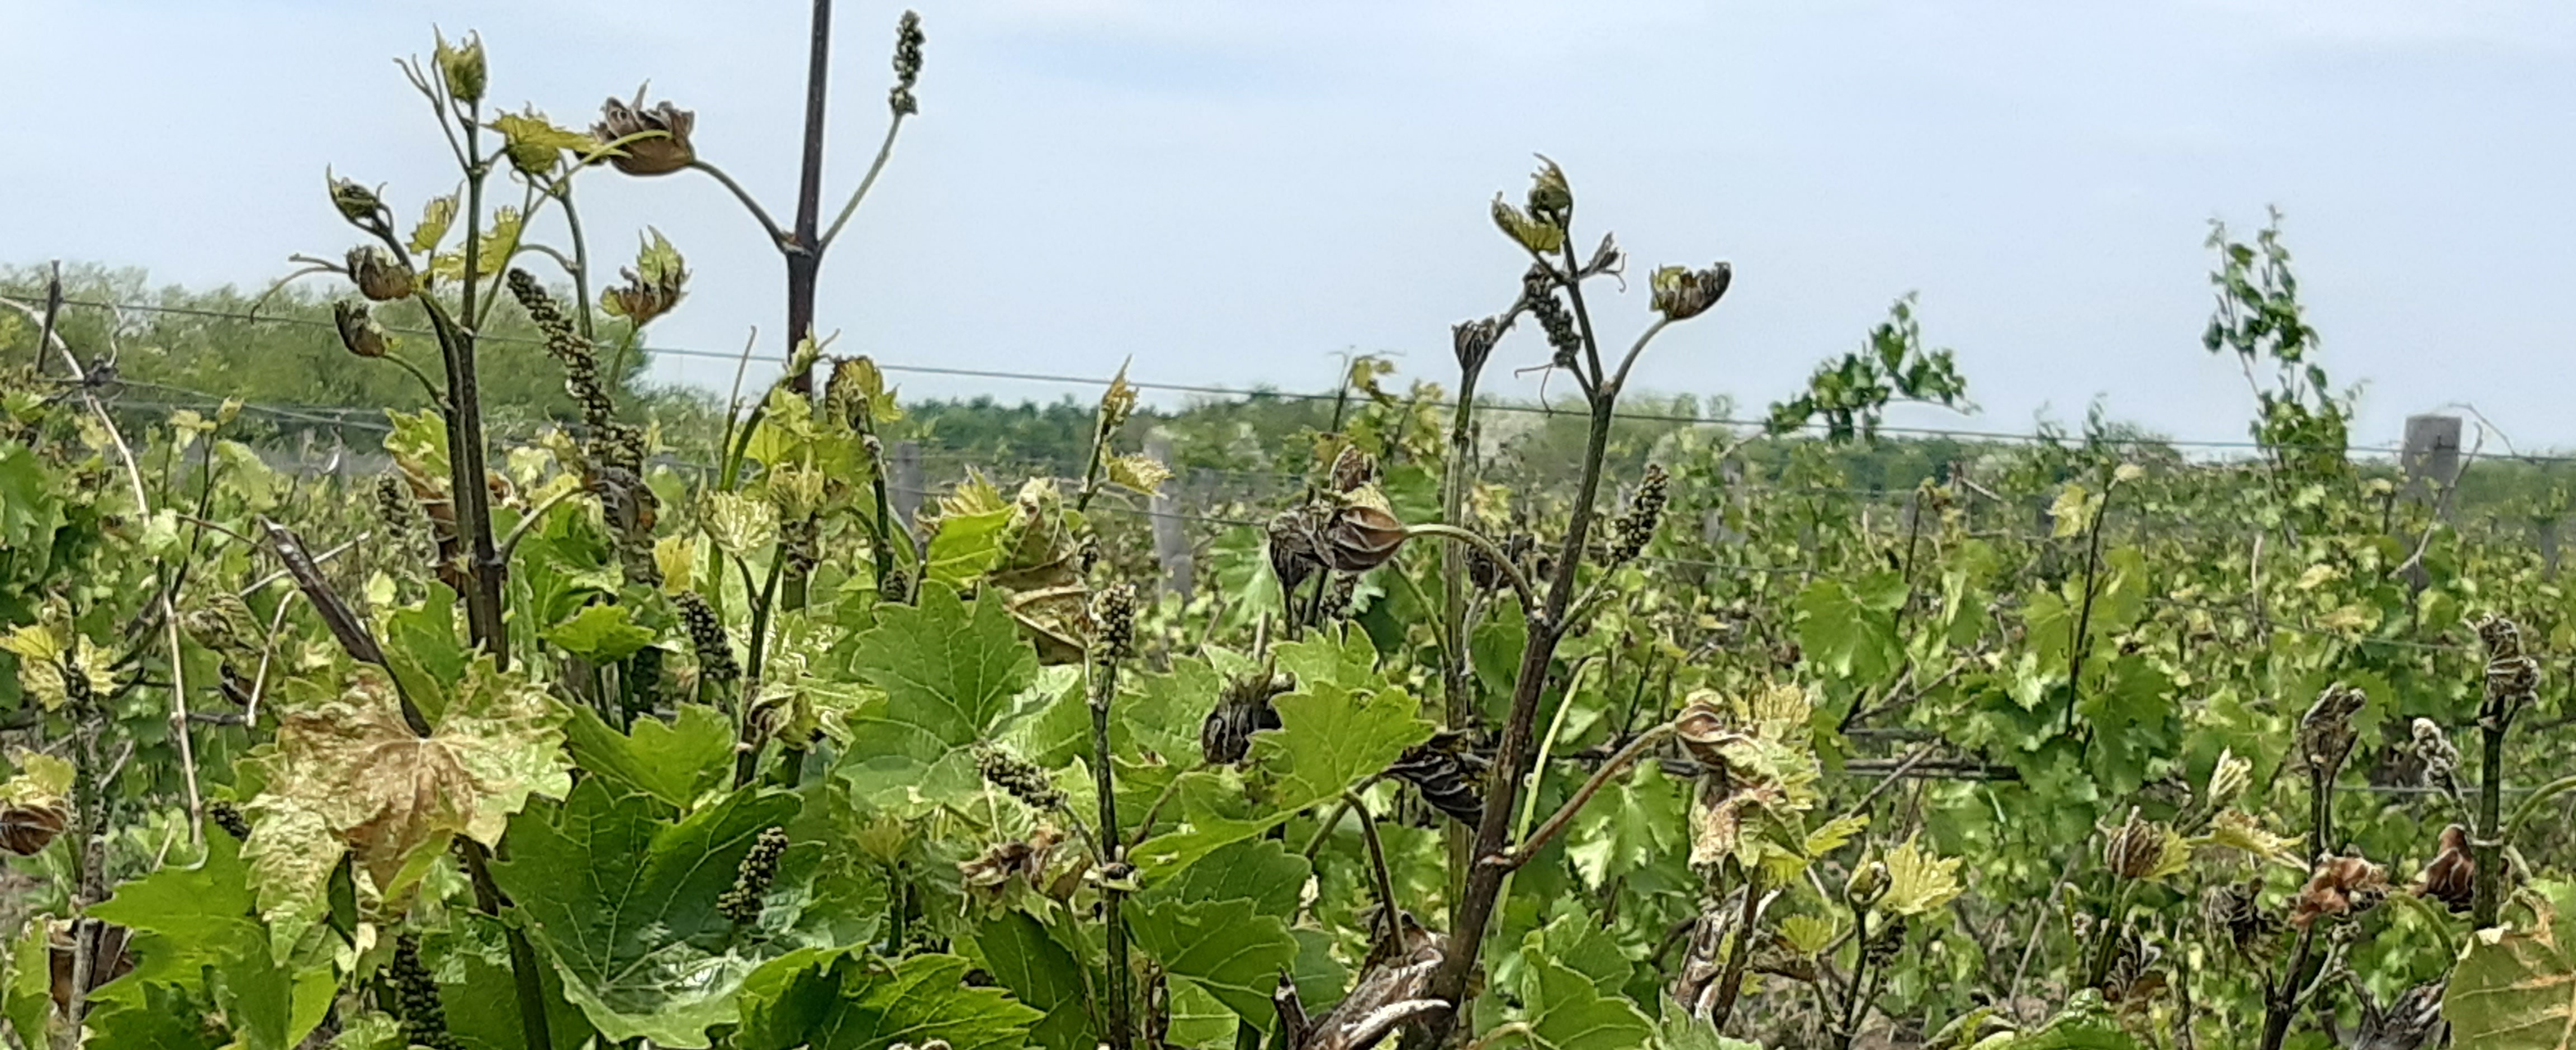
x=1238 y=193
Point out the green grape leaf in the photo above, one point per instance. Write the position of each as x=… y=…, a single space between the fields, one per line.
x=1162 y=716
x=623 y=900
x=1567 y=1010
x=2132 y=712
x=1319 y=977
x=676 y=761
x=481 y=993
x=28 y=1000
x=1639 y=819
x=1199 y=1018
x=2515 y=989
x=1330 y=738
x=2087 y=1033
x=1496 y=646
x=828 y=893
x=1228 y=948
x=1576 y=941
x=1263 y=871
x=422 y=649
x=1851 y=629
x=950 y=671
x=1339 y=658
x=602 y=633
x=160 y=1017
x=189 y=922
x=1681 y=1031
x=349 y=774
x=964 y=545
x=832 y=1000
x=1019 y=953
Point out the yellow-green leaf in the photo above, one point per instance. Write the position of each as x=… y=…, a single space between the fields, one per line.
x=1832 y=834
x=435 y=215
x=1142 y=473
x=42 y=780
x=677 y=558
x=348 y=773
x=1807 y=933
x=1918 y=881
x=2515 y=988
x=739 y=524
x=2238 y=830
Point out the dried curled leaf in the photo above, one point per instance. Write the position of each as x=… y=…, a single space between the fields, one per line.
x=348 y=774
x=2340 y=887
x=2451 y=877
x=1758 y=773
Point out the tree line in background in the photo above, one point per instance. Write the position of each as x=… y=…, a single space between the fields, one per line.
x=179 y=347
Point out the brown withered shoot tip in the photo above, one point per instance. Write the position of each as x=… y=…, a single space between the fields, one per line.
x=664 y=128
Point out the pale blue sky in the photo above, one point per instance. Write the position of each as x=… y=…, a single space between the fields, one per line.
x=1235 y=192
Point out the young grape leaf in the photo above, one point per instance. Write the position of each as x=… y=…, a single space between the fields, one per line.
x=348 y=773
x=44 y=650
x=1228 y=948
x=1919 y=880
x=623 y=900
x=835 y=1000
x=1141 y=473
x=675 y=761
